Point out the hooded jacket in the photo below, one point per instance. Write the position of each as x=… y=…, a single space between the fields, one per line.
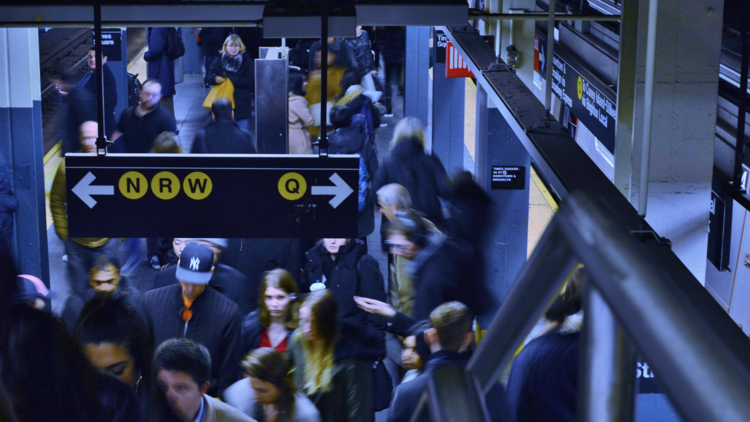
x=8 y=205
x=422 y=175
x=354 y=273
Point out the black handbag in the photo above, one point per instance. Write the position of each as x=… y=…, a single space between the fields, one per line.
x=382 y=386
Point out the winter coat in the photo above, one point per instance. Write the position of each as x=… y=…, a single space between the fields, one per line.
x=344 y=55
x=352 y=140
x=252 y=330
x=354 y=273
x=8 y=205
x=159 y=66
x=351 y=386
x=223 y=136
x=422 y=175
x=58 y=198
x=362 y=52
x=407 y=395
x=81 y=108
x=88 y=82
x=215 y=324
x=300 y=120
x=75 y=302
x=243 y=80
x=544 y=377
x=225 y=279
x=253 y=257
x=242 y=396
x=391 y=42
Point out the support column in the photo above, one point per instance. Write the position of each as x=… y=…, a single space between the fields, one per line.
x=683 y=125
x=498 y=153
x=417 y=72
x=448 y=96
x=625 y=96
x=21 y=150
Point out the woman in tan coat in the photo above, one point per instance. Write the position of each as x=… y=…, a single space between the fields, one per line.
x=300 y=118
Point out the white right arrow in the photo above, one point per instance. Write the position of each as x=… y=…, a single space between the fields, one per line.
x=84 y=190
x=341 y=191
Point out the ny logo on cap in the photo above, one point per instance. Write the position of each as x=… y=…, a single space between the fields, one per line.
x=194 y=263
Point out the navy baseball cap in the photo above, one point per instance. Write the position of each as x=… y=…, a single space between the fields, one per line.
x=195 y=264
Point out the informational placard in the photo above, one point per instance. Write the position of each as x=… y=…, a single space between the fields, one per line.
x=196 y=195
x=508 y=177
x=112 y=40
x=719 y=226
x=588 y=99
x=441 y=41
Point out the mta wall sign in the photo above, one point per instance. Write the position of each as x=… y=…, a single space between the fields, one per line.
x=196 y=195
x=588 y=99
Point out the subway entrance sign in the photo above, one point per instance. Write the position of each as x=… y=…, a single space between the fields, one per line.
x=181 y=195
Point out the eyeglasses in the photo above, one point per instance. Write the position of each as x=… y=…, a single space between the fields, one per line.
x=394 y=246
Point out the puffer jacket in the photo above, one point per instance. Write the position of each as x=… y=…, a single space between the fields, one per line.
x=244 y=84
x=361 y=48
x=422 y=175
x=354 y=274
x=8 y=205
x=58 y=197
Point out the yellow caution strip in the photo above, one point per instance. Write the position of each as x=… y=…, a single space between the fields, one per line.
x=471 y=84
x=545 y=193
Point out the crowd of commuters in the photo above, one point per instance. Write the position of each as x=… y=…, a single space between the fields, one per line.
x=277 y=329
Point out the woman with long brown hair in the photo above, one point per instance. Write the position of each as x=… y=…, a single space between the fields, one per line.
x=276 y=317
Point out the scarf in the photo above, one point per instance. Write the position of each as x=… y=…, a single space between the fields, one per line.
x=231 y=64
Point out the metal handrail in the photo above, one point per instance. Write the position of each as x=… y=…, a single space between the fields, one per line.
x=630 y=303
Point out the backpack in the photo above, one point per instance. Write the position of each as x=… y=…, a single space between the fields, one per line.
x=364 y=174
x=174 y=45
x=366 y=112
x=134 y=90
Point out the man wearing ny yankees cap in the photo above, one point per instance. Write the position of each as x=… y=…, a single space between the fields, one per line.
x=194 y=310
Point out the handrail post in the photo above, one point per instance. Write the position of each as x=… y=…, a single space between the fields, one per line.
x=606 y=368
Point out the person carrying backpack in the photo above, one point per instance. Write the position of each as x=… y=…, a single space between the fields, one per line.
x=164 y=46
x=351 y=137
x=356 y=98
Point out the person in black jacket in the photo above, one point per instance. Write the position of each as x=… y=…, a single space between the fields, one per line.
x=408 y=165
x=544 y=377
x=391 y=42
x=360 y=45
x=350 y=138
x=237 y=66
x=343 y=266
x=194 y=310
x=88 y=82
x=254 y=257
x=449 y=340
x=223 y=135
x=225 y=279
x=160 y=67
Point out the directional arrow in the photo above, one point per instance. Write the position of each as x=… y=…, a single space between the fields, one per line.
x=341 y=191
x=84 y=190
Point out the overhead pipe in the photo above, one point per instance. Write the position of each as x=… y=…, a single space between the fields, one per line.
x=550 y=56
x=542 y=16
x=653 y=7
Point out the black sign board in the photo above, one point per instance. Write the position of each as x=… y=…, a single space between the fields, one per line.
x=175 y=195
x=508 y=177
x=441 y=41
x=112 y=40
x=719 y=226
x=589 y=100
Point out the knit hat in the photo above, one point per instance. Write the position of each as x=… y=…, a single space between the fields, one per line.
x=195 y=264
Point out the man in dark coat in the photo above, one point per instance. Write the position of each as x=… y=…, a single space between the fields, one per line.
x=391 y=42
x=225 y=280
x=88 y=82
x=81 y=107
x=159 y=66
x=196 y=311
x=139 y=126
x=449 y=340
x=223 y=135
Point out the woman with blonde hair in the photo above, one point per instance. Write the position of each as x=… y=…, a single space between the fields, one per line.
x=276 y=317
x=268 y=392
x=237 y=66
x=423 y=175
x=340 y=389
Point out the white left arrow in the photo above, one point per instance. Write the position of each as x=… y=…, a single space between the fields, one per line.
x=340 y=192
x=84 y=190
